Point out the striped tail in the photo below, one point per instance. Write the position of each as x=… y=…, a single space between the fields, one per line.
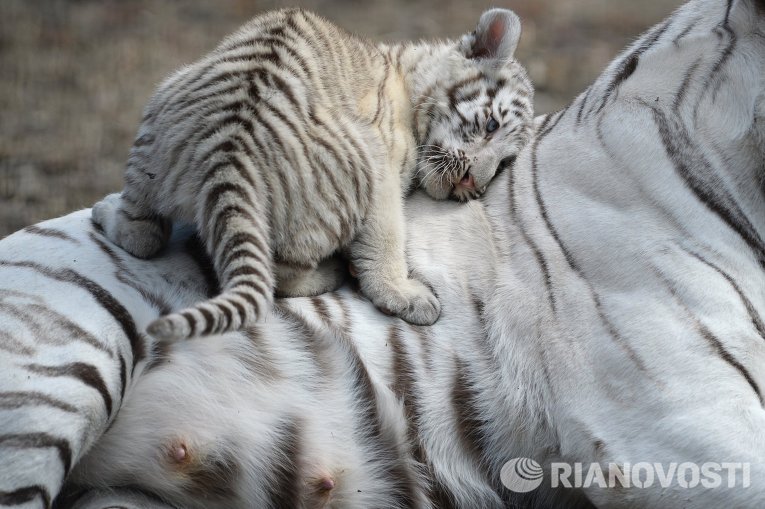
x=234 y=225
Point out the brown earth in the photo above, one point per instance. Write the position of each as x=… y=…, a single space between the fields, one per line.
x=75 y=74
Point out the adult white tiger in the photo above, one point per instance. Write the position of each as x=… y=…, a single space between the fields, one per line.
x=603 y=303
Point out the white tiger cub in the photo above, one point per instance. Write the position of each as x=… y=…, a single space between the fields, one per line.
x=294 y=140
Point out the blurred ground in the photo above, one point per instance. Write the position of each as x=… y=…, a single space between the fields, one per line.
x=75 y=74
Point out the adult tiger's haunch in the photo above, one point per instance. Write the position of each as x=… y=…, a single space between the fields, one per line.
x=294 y=140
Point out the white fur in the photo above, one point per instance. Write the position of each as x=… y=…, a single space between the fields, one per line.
x=621 y=369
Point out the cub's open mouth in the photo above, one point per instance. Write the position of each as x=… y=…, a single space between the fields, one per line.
x=466 y=182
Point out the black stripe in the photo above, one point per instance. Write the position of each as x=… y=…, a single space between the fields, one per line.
x=226 y=313
x=750 y=309
x=276 y=143
x=239 y=310
x=209 y=320
x=215 y=193
x=214 y=77
x=127 y=277
x=25 y=495
x=273 y=34
x=284 y=479
x=728 y=357
x=246 y=270
x=37 y=319
x=451 y=92
x=546 y=276
x=343 y=213
x=258 y=286
x=180 y=109
x=554 y=124
x=710 y=338
x=423 y=334
x=123 y=377
x=683 y=89
x=372 y=431
x=700 y=177
x=311 y=337
x=470 y=427
x=11 y=400
x=233 y=163
x=86 y=373
x=13 y=345
x=611 y=329
x=685 y=31
x=196 y=250
x=223 y=216
x=102 y=296
x=322 y=310
x=728 y=8
x=216 y=475
x=628 y=65
x=243 y=251
x=344 y=321
x=262 y=252
x=286 y=90
x=191 y=321
x=404 y=387
x=381 y=95
x=522 y=104
x=249 y=299
x=50 y=232
x=713 y=78
x=582 y=104
x=350 y=149
x=143 y=140
x=40 y=441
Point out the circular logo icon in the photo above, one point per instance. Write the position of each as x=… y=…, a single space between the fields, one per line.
x=521 y=475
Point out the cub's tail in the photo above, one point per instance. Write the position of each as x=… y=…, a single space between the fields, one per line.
x=234 y=225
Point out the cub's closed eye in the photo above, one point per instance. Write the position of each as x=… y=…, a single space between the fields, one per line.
x=492 y=125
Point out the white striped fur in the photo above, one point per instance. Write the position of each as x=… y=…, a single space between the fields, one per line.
x=602 y=302
x=293 y=141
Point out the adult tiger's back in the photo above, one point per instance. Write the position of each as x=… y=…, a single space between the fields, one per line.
x=294 y=140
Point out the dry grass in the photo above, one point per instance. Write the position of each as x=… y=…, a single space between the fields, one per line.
x=74 y=75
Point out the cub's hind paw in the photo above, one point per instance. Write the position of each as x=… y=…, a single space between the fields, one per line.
x=104 y=213
x=140 y=234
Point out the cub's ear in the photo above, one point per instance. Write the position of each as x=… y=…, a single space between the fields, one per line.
x=495 y=38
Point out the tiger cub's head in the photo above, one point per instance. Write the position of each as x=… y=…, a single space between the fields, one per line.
x=476 y=113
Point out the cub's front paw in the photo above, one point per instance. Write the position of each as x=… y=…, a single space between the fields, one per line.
x=423 y=307
x=410 y=300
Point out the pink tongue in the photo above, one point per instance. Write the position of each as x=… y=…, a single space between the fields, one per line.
x=468 y=181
